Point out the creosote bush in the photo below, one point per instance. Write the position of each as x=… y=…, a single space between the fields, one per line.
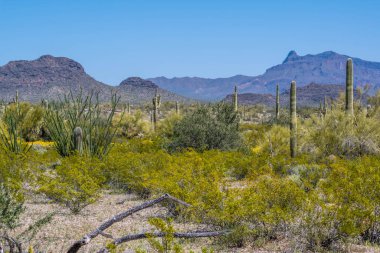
x=75 y=183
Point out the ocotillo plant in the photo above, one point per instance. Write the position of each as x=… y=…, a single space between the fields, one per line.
x=293 y=120
x=10 y=131
x=177 y=107
x=156 y=105
x=78 y=140
x=235 y=99
x=277 y=103
x=349 y=88
x=87 y=113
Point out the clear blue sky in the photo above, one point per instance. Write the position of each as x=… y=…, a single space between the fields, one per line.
x=115 y=39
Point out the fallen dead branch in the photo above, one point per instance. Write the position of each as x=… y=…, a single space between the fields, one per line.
x=12 y=244
x=119 y=217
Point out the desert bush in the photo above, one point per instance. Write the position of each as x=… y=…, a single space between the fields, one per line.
x=208 y=128
x=75 y=183
x=269 y=204
x=353 y=188
x=166 y=126
x=340 y=135
x=193 y=177
x=317 y=227
x=11 y=206
x=133 y=125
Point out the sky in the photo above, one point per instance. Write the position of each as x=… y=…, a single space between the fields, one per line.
x=115 y=39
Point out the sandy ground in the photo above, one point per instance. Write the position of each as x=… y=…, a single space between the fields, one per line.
x=66 y=228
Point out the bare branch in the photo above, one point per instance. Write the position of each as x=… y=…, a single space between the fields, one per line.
x=12 y=243
x=119 y=217
x=133 y=237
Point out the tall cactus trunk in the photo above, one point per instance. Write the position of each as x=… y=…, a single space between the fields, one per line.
x=349 y=88
x=293 y=120
x=177 y=107
x=129 y=108
x=78 y=140
x=324 y=106
x=156 y=105
x=277 y=103
x=235 y=99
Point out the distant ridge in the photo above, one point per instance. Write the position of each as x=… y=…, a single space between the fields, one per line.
x=324 y=68
x=310 y=95
x=50 y=77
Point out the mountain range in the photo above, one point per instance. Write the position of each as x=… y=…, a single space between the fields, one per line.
x=324 y=68
x=310 y=95
x=51 y=77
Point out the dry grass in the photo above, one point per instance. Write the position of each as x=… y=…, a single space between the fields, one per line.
x=66 y=228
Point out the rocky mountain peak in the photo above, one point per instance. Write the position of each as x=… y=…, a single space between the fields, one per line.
x=138 y=82
x=292 y=55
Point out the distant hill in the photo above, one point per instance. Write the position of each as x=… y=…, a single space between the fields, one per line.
x=138 y=90
x=50 y=77
x=325 y=68
x=309 y=95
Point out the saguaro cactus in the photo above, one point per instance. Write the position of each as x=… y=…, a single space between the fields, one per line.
x=129 y=108
x=235 y=99
x=156 y=105
x=78 y=140
x=177 y=107
x=293 y=120
x=324 y=106
x=349 y=88
x=277 y=103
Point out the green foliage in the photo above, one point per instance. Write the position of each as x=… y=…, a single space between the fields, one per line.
x=353 y=187
x=85 y=112
x=166 y=126
x=166 y=244
x=75 y=184
x=11 y=206
x=28 y=117
x=11 y=130
x=356 y=136
x=132 y=126
x=208 y=128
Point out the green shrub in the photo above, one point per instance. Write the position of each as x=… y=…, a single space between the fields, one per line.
x=337 y=134
x=75 y=184
x=132 y=126
x=208 y=128
x=11 y=206
x=354 y=189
